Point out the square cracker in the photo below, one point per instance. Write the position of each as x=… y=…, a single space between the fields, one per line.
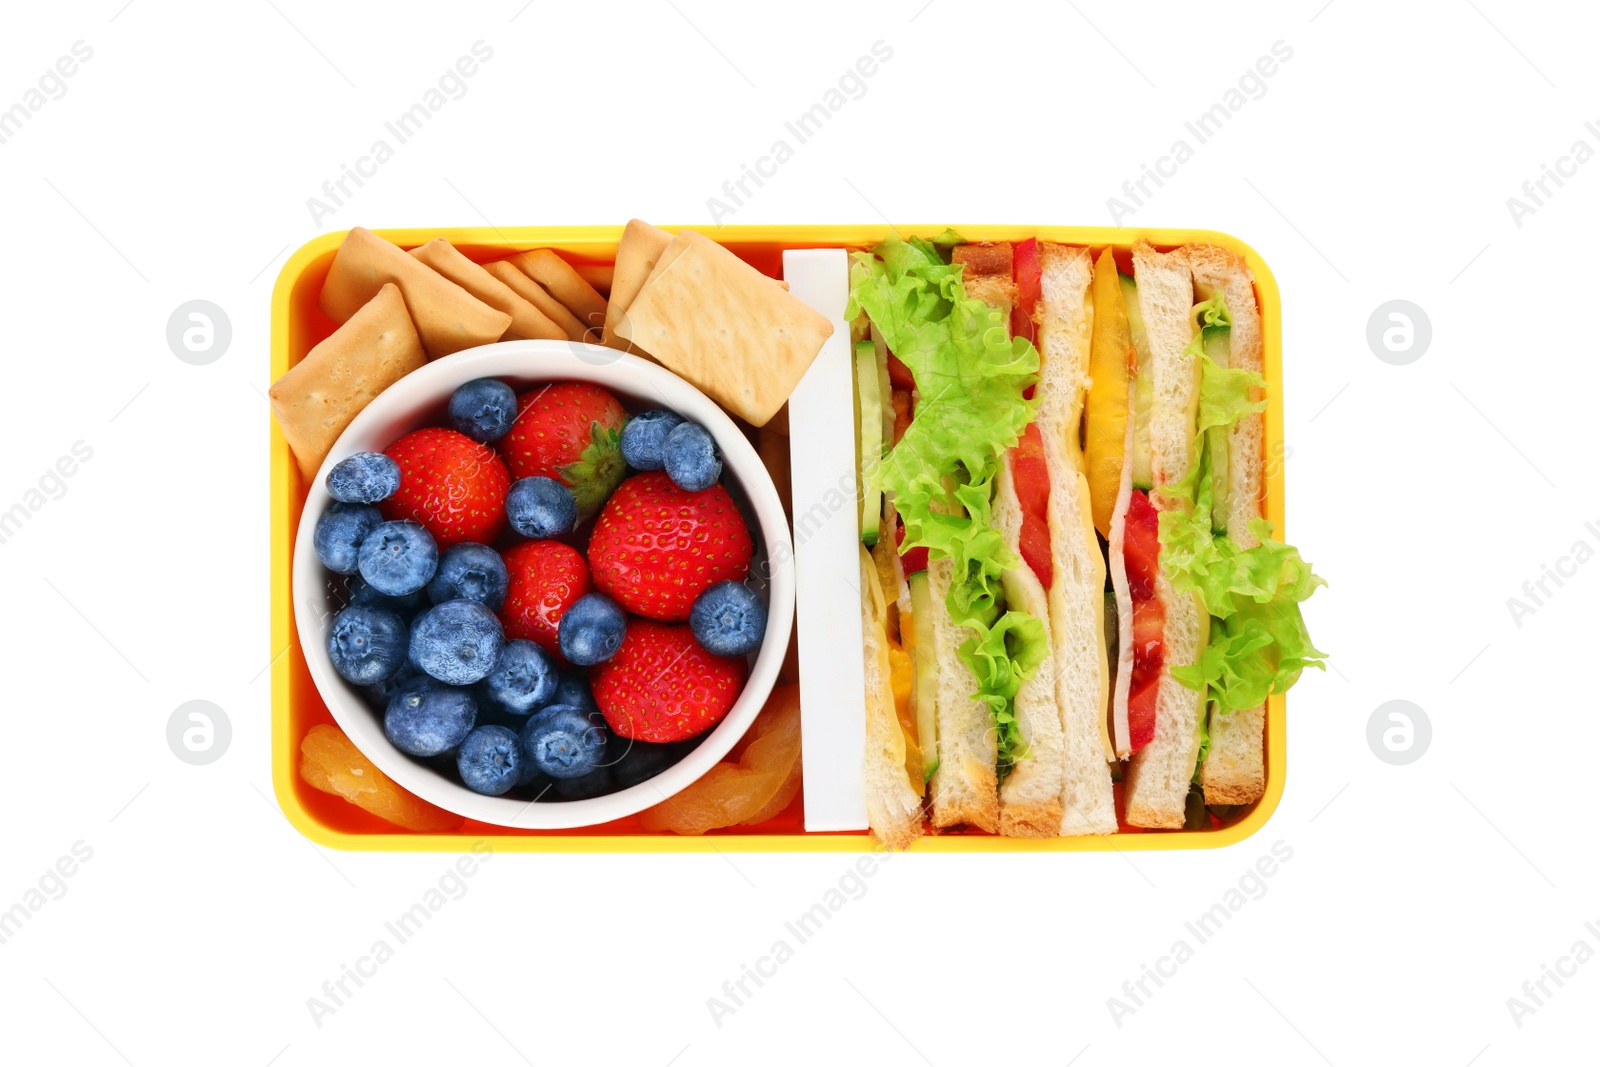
x=725 y=327
x=317 y=397
x=641 y=245
x=447 y=317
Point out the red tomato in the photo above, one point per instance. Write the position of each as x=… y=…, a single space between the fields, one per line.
x=1025 y=270
x=900 y=374
x=912 y=560
x=1148 y=619
x=1142 y=714
x=1031 y=476
x=1141 y=546
x=902 y=413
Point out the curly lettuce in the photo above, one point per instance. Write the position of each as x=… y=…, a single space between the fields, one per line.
x=1259 y=642
x=970 y=377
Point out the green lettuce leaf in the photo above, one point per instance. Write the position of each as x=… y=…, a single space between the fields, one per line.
x=1259 y=642
x=970 y=379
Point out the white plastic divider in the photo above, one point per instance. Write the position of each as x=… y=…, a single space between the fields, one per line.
x=833 y=710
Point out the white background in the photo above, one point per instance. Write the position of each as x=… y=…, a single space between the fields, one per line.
x=1376 y=166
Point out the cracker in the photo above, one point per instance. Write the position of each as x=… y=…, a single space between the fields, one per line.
x=598 y=275
x=637 y=251
x=564 y=283
x=534 y=293
x=317 y=397
x=527 y=321
x=447 y=317
x=725 y=327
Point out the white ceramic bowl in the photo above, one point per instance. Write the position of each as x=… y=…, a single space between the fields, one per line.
x=419 y=399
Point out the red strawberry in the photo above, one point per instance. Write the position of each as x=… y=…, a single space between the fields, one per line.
x=570 y=431
x=656 y=547
x=451 y=484
x=546 y=577
x=662 y=686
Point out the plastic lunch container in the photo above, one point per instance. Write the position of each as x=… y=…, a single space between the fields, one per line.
x=298 y=324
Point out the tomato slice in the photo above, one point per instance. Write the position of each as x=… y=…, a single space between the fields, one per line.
x=1025 y=271
x=1141 y=545
x=902 y=413
x=1141 y=550
x=912 y=560
x=1031 y=476
x=900 y=374
x=1142 y=713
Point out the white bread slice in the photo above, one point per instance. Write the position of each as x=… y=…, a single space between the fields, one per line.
x=1030 y=797
x=894 y=808
x=1078 y=576
x=1234 y=770
x=965 y=788
x=1159 y=774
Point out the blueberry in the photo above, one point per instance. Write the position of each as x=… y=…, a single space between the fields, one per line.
x=470 y=571
x=639 y=761
x=691 y=458
x=490 y=760
x=426 y=718
x=367 y=645
x=574 y=690
x=642 y=438
x=378 y=694
x=596 y=783
x=364 y=478
x=359 y=591
x=399 y=557
x=483 y=409
x=457 y=642
x=564 y=742
x=728 y=619
x=340 y=533
x=590 y=631
x=524 y=678
x=540 y=508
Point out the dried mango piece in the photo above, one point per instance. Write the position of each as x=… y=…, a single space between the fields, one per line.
x=762 y=782
x=331 y=763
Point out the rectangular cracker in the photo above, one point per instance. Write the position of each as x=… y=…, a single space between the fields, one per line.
x=447 y=317
x=641 y=245
x=527 y=321
x=317 y=397
x=535 y=294
x=564 y=283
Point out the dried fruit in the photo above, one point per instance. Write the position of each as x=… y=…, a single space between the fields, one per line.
x=331 y=763
x=760 y=784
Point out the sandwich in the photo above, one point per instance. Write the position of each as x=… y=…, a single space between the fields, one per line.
x=1066 y=578
x=1209 y=623
x=983 y=599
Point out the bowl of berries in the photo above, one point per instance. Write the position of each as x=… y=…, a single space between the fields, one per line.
x=543 y=584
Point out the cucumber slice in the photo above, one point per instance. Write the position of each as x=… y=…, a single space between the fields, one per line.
x=1143 y=387
x=885 y=390
x=869 y=434
x=925 y=683
x=1215 y=340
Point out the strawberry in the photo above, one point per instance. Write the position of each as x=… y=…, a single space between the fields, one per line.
x=570 y=431
x=662 y=686
x=451 y=484
x=546 y=577
x=656 y=547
